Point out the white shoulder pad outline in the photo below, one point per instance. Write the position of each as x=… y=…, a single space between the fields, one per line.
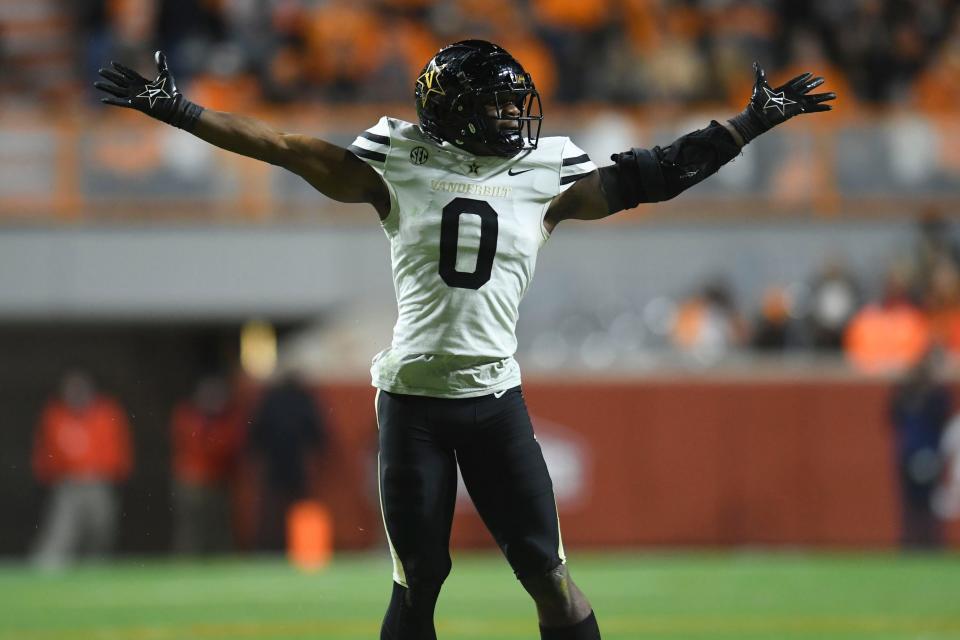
x=373 y=145
x=574 y=165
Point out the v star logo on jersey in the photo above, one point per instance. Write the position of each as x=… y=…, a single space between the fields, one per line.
x=474 y=168
x=155 y=91
x=777 y=101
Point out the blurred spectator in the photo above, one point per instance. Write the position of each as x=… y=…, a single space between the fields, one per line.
x=934 y=247
x=283 y=74
x=129 y=34
x=343 y=40
x=207 y=435
x=890 y=335
x=6 y=68
x=942 y=304
x=82 y=451
x=807 y=53
x=287 y=436
x=189 y=25
x=407 y=45
x=937 y=88
x=574 y=31
x=628 y=50
x=740 y=33
x=946 y=498
x=223 y=82
x=919 y=410
x=834 y=299
x=773 y=330
x=674 y=70
x=708 y=325
x=880 y=44
x=536 y=59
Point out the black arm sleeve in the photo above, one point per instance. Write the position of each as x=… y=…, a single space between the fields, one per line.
x=654 y=175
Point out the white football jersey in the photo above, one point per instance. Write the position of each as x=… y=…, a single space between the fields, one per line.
x=464 y=234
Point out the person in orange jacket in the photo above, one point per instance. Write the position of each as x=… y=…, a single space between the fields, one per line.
x=82 y=452
x=207 y=434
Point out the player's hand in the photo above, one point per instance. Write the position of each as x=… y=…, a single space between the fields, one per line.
x=129 y=89
x=159 y=99
x=769 y=107
x=774 y=106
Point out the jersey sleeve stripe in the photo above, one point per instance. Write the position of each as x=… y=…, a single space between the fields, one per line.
x=366 y=153
x=574 y=177
x=578 y=160
x=375 y=138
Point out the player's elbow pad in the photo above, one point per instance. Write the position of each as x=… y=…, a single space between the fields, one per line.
x=654 y=175
x=634 y=177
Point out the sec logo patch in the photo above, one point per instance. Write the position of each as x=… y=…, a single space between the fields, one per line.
x=419 y=155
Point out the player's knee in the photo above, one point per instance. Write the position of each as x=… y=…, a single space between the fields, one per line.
x=550 y=589
x=559 y=602
x=424 y=579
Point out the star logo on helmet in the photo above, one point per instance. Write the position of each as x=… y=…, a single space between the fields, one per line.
x=428 y=82
x=777 y=101
x=155 y=91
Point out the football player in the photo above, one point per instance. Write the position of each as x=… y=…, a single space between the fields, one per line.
x=467 y=196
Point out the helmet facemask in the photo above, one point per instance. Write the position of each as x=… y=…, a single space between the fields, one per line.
x=495 y=139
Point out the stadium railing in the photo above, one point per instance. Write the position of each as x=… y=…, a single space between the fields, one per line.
x=97 y=165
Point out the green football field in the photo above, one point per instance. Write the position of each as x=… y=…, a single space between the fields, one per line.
x=729 y=595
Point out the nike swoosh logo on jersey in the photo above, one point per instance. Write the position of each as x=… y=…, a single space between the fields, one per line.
x=499 y=394
x=511 y=172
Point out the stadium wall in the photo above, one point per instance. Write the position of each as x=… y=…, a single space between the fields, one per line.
x=675 y=463
x=709 y=460
x=169 y=272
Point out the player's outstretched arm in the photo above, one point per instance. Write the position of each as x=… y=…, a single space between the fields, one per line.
x=332 y=170
x=654 y=175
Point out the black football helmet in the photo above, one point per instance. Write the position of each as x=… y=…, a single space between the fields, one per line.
x=455 y=89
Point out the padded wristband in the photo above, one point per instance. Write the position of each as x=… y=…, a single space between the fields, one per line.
x=654 y=186
x=184 y=114
x=748 y=124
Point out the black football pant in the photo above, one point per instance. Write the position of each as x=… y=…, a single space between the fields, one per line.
x=422 y=442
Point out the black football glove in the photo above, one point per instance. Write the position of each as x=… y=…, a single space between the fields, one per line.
x=159 y=99
x=769 y=107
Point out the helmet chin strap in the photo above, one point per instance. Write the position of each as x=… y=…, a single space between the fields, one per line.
x=502 y=143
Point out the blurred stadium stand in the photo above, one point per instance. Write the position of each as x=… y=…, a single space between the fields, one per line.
x=108 y=166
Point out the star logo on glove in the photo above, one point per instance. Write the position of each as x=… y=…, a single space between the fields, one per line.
x=777 y=101
x=155 y=91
